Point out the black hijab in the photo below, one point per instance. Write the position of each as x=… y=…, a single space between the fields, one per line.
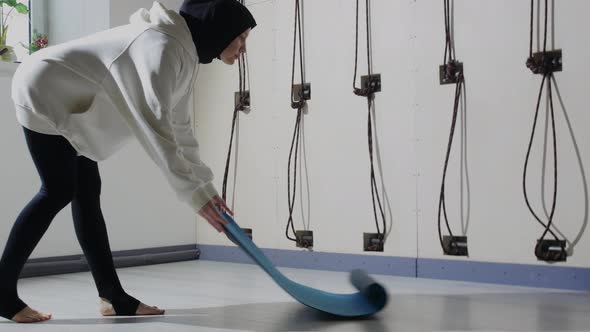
x=214 y=24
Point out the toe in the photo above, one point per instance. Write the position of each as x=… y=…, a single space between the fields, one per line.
x=149 y=310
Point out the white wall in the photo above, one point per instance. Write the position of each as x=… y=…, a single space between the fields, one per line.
x=121 y=10
x=18 y=31
x=491 y=41
x=414 y=116
x=68 y=19
x=139 y=207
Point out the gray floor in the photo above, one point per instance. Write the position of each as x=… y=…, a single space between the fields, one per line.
x=211 y=296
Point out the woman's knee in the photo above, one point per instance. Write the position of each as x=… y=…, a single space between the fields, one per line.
x=89 y=183
x=88 y=189
x=58 y=196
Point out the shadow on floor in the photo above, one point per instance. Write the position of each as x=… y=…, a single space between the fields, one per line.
x=250 y=317
x=518 y=311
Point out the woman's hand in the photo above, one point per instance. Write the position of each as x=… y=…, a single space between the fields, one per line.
x=212 y=213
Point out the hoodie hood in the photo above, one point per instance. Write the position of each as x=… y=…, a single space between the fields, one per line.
x=166 y=21
x=214 y=24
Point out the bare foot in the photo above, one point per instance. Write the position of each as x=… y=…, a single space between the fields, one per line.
x=106 y=309
x=28 y=315
x=149 y=310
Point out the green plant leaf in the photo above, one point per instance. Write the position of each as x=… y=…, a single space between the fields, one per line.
x=11 y=3
x=21 y=8
x=4 y=34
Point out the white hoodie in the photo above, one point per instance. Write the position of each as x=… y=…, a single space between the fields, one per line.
x=133 y=80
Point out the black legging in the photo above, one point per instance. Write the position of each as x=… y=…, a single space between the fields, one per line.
x=65 y=178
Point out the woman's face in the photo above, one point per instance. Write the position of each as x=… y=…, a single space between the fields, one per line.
x=235 y=48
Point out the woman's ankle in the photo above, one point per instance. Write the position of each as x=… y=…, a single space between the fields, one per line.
x=9 y=307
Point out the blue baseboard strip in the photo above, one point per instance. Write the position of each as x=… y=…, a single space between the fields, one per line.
x=398 y=266
x=559 y=277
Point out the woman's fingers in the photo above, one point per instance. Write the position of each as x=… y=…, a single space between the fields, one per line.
x=212 y=213
x=218 y=209
x=213 y=217
x=223 y=205
x=216 y=225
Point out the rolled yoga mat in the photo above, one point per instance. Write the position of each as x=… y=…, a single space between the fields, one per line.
x=370 y=298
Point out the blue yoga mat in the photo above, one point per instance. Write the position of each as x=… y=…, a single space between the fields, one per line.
x=370 y=298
